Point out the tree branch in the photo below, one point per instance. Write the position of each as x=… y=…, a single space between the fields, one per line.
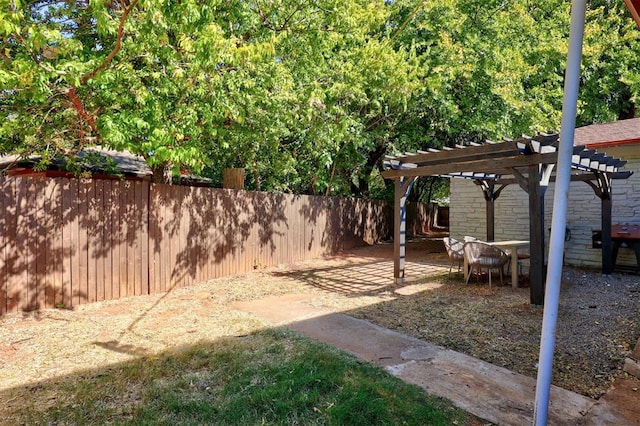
x=125 y=13
x=82 y=112
x=72 y=94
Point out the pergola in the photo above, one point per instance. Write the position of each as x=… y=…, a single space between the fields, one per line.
x=528 y=162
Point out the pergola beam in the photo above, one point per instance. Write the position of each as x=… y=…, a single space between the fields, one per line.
x=481 y=152
x=498 y=165
x=528 y=161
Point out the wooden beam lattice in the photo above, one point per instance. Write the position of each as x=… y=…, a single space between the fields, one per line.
x=529 y=162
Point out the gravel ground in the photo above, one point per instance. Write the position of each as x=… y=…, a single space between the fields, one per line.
x=597 y=328
x=598 y=321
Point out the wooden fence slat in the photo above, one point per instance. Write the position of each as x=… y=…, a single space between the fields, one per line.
x=58 y=243
x=100 y=247
x=4 y=204
x=180 y=271
x=164 y=249
x=153 y=243
x=143 y=226
x=24 y=215
x=179 y=246
x=11 y=249
x=226 y=243
x=170 y=230
x=237 y=255
x=107 y=235
x=248 y=247
x=82 y=288
x=70 y=241
x=210 y=269
x=196 y=234
x=12 y=253
x=160 y=238
x=163 y=238
x=109 y=241
x=29 y=249
x=47 y=225
x=66 y=220
x=50 y=226
x=128 y=222
x=94 y=235
x=169 y=235
x=123 y=238
x=116 y=242
x=39 y=250
x=137 y=247
x=75 y=249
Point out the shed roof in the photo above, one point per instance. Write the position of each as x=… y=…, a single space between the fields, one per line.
x=94 y=159
x=98 y=161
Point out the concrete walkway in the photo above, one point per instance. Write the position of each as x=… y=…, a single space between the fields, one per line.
x=492 y=393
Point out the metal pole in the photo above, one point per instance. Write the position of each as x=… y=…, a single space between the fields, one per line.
x=558 y=221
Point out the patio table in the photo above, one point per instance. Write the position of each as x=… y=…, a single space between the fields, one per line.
x=511 y=245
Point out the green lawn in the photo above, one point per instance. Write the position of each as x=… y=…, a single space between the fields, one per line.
x=272 y=377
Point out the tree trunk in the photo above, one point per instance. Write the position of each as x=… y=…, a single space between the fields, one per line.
x=161 y=174
x=372 y=160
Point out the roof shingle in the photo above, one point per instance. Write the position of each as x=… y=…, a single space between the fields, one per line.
x=620 y=132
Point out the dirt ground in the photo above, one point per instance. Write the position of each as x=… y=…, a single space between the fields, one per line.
x=598 y=320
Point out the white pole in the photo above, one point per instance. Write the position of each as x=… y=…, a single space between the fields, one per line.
x=558 y=221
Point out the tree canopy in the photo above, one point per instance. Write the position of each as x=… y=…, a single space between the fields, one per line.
x=307 y=96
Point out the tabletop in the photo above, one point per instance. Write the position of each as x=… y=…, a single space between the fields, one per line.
x=509 y=243
x=625 y=231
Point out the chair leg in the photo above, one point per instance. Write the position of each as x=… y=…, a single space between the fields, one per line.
x=450 y=266
x=501 y=282
x=489 y=278
x=468 y=276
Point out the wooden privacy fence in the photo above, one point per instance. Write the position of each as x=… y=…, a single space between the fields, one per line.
x=64 y=242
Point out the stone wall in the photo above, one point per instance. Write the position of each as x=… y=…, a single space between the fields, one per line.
x=468 y=214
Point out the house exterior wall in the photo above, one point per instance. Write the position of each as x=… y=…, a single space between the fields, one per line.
x=468 y=214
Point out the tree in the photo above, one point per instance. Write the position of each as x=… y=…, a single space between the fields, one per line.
x=273 y=85
x=51 y=52
x=307 y=96
x=610 y=83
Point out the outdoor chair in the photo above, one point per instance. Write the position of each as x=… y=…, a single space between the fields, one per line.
x=481 y=256
x=454 y=250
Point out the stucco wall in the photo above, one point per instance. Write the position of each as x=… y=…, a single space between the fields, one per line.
x=467 y=211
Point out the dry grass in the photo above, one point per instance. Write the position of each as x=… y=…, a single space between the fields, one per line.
x=597 y=328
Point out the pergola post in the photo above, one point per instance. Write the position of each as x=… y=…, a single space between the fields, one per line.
x=402 y=188
x=489 y=197
x=607 y=245
x=536 y=236
x=602 y=189
x=528 y=161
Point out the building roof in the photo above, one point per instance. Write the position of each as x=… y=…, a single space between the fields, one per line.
x=99 y=161
x=616 y=133
x=93 y=159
